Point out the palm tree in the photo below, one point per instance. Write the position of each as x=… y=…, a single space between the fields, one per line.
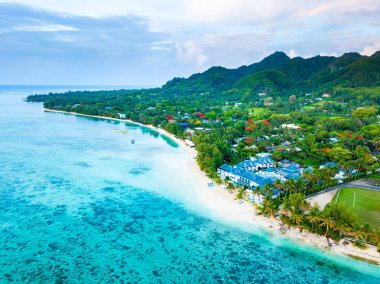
x=304 y=206
x=314 y=216
x=329 y=223
x=342 y=228
x=296 y=218
x=356 y=232
x=286 y=207
x=271 y=211
x=277 y=184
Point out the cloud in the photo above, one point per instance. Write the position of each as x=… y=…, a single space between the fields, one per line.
x=45 y=28
x=41 y=47
x=152 y=41
x=191 y=53
x=292 y=53
x=370 y=49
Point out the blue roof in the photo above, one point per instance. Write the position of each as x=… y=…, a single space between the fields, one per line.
x=292 y=168
x=227 y=168
x=329 y=164
x=264 y=160
x=291 y=171
x=294 y=176
x=249 y=175
x=308 y=170
x=184 y=124
x=245 y=163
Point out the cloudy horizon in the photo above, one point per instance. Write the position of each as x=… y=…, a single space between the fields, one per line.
x=141 y=43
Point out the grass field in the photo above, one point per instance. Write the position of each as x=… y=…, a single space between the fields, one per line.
x=321 y=103
x=308 y=107
x=366 y=205
x=257 y=111
x=374 y=176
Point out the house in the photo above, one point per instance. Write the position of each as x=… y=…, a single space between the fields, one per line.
x=286 y=144
x=240 y=176
x=264 y=163
x=263 y=155
x=184 y=124
x=268 y=103
x=225 y=171
x=189 y=143
x=290 y=126
x=326 y=95
x=328 y=164
x=334 y=140
x=292 y=171
x=306 y=170
x=293 y=149
x=272 y=174
x=122 y=115
x=253 y=147
x=270 y=148
x=255 y=164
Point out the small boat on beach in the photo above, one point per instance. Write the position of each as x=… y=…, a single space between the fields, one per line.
x=124 y=132
x=117 y=130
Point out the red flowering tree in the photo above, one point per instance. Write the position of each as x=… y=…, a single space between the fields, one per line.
x=250 y=128
x=266 y=122
x=248 y=140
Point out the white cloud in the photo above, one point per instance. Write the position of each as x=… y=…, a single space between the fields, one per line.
x=188 y=36
x=370 y=49
x=328 y=54
x=292 y=53
x=45 y=28
x=191 y=53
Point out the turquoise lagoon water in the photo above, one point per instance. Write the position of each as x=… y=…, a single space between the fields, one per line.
x=80 y=204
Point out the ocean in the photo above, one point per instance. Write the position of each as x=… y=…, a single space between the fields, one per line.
x=80 y=203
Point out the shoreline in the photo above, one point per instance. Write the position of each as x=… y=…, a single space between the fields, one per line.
x=225 y=208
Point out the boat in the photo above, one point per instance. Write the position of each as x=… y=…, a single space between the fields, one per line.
x=133 y=141
x=117 y=130
x=124 y=132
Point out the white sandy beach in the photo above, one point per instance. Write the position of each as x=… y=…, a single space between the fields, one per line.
x=225 y=207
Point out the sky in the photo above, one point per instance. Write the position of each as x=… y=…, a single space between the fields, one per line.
x=146 y=43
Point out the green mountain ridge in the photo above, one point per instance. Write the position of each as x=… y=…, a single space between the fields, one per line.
x=280 y=75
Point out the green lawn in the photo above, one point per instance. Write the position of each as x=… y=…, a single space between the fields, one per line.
x=308 y=107
x=367 y=204
x=321 y=103
x=374 y=176
x=257 y=111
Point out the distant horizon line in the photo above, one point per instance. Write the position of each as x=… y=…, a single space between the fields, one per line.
x=73 y=85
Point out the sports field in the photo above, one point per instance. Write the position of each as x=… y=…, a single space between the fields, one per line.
x=375 y=176
x=364 y=202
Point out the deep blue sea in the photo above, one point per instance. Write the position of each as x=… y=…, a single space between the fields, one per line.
x=80 y=204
